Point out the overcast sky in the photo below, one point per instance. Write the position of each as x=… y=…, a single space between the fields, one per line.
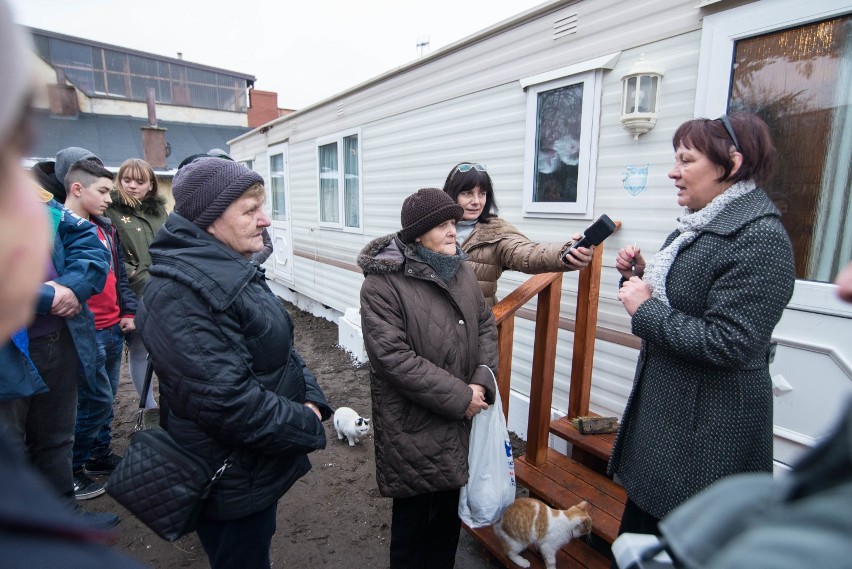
x=306 y=50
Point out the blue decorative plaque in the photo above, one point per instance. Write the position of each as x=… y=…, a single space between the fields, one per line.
x=635 y=179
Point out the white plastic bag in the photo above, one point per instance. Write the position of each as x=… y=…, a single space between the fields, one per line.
x=491 y=484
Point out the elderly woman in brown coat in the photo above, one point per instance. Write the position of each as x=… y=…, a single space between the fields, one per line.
x=432 y=344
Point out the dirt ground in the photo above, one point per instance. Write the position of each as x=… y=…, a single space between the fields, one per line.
x=333 y=517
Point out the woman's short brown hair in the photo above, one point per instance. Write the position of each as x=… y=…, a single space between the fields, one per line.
x=711 y=138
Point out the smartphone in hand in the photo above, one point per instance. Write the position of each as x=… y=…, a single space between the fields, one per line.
x=593 y=235
x=596 y=232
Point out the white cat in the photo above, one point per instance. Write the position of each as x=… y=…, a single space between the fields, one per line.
x=348 y=423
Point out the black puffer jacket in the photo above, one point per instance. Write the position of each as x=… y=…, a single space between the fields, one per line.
x=223 y=350
x=427 y=340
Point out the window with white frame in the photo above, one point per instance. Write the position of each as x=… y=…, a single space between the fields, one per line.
x=561 y=125
x=339 y=181
x=278 y=184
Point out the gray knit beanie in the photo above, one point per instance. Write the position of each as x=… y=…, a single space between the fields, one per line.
x=15 y=70
x=204 y=189
x=425 y=209
x=66 y=158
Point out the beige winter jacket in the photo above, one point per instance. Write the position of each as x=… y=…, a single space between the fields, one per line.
x=497 y=246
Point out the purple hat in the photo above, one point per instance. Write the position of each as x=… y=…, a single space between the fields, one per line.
x=204 y=189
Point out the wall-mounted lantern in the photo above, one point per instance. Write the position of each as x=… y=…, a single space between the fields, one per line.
x=641 y=97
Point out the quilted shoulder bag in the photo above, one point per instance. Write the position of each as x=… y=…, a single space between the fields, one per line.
x=162 y=484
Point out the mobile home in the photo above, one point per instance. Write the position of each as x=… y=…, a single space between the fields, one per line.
x=571 y=106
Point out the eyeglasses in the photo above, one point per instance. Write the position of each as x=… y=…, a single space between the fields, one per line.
x=726 y=122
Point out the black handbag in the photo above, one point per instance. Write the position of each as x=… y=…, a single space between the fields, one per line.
x=160 y=482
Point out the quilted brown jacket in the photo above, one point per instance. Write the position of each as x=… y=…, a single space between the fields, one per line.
x=497 y=246
x=427 y=340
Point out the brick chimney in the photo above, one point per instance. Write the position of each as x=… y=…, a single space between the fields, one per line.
x=63 y=97
x=263 y=107
x=153 y=137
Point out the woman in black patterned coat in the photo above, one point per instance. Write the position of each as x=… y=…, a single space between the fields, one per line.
x=705 y=307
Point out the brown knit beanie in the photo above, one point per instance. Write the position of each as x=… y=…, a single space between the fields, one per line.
x=425 y=209
x=204 y=189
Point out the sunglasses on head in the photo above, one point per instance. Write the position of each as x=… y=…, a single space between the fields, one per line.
x=467 y=167
x=726 y=122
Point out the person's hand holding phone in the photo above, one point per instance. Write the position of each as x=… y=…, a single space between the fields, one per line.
x=578 y=257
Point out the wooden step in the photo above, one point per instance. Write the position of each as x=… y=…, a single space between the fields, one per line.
x=576 y=554
x=599 y=446
x=564 y=482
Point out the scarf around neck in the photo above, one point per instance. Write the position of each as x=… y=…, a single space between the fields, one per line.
x=690 y=224
x=445 y=265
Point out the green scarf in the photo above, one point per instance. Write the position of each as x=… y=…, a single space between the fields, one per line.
x=445 y=265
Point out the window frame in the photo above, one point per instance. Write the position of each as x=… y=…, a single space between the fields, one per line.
x=719 y=34
x=280 y=149
x=590 y=73
x=337 y=139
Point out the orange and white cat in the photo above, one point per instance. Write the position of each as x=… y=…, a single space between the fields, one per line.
x=532 y=522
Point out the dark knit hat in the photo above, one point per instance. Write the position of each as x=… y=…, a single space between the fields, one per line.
x=66 y=158
x=425 y=209
x=204 y=189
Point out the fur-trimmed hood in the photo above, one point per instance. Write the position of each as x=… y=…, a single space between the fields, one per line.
x=387 y=254
x=382 y=255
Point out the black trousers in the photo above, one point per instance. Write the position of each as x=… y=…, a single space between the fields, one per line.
x=239 y=544
x=425 y=531
x=636 y=520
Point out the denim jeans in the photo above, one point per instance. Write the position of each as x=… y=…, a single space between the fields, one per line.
x=92 y=434
x=44 y=423
x=137 y=361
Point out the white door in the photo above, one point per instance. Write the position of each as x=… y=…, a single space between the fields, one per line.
x=791 y=63
x=282 y=253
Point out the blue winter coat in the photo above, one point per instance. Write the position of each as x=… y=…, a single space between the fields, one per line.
x=19 y=378
x=82 y=262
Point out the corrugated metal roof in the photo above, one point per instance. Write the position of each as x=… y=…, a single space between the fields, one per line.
x=115 y=138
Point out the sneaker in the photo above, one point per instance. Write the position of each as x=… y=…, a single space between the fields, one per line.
x=86 y=488
x=103 y=465
x=100 y=520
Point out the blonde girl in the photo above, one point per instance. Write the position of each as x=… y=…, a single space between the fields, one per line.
x=137 y=212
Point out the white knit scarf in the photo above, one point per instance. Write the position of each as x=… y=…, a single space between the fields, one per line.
x=689 y=225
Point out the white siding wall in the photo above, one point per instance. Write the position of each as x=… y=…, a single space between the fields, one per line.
x=465 y=103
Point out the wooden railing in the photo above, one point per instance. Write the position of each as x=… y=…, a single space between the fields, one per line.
x=555 y=478
x=548 y=287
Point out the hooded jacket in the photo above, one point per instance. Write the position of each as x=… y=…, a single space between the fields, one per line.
x=45 y=175
x=222 y=346
x=497 y=246
x=427 y=339
x=82 y=262
x=137 y=228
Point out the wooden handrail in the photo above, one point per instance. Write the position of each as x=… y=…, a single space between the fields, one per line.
x=548 y=287
x=521 y=295
x=504 y=316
